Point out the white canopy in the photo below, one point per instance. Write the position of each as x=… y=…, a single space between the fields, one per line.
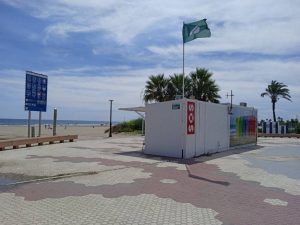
x=139 y=110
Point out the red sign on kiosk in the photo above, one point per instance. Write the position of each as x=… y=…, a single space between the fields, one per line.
x=190 y=118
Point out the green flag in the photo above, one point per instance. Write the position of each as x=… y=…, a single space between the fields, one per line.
x=198 y=29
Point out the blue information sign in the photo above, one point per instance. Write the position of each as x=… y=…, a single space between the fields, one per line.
x=36 y=92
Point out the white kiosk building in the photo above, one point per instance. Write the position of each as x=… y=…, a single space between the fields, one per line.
x=188 y=128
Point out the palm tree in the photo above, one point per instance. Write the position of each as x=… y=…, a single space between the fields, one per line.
x=199 y=84
x=156 y=88
x=203 y=87
x=175 y=86
x=275 y=91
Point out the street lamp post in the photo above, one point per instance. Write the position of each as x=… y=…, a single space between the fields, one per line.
x=110 y=117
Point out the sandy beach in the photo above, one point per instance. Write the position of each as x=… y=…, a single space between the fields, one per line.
x=83 y=131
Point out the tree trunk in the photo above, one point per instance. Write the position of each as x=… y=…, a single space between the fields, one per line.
x=273 y=108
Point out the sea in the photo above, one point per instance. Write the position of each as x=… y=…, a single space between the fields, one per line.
x=9 y=122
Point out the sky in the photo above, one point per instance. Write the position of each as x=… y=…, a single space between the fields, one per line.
x=96 y=50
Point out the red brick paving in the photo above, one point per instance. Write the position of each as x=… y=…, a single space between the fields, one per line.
x=204 y=185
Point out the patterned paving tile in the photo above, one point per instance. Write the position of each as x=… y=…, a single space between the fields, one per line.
x=275 y=202
x=128 y=187
x=95 y=209
x=204 y=187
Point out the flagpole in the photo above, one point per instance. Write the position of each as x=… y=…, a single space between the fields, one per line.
x=191 y=31
x=183 y=65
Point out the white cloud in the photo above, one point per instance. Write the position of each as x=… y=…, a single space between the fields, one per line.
x=256 y=26
x=76 y=93
x=252 y=26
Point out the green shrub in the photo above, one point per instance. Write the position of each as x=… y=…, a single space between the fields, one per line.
x=297 y=129
x=128 y=126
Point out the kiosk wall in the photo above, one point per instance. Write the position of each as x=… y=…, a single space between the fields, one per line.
x=187 y=128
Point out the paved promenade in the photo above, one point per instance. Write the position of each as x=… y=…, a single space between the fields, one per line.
x=110 y=181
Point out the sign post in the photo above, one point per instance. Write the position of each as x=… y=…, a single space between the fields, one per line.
x=28 y=126
x=36 y=86
x=40 y=122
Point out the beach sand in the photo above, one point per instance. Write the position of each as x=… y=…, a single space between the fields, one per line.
x=84 y=131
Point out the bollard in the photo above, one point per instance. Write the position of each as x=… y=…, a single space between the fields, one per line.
x=110 y=117
x=32 y=131
x=54 y=121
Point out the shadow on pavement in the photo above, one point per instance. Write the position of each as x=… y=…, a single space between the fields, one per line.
x=224 y=183
x=198 y=159
x=194 y=161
